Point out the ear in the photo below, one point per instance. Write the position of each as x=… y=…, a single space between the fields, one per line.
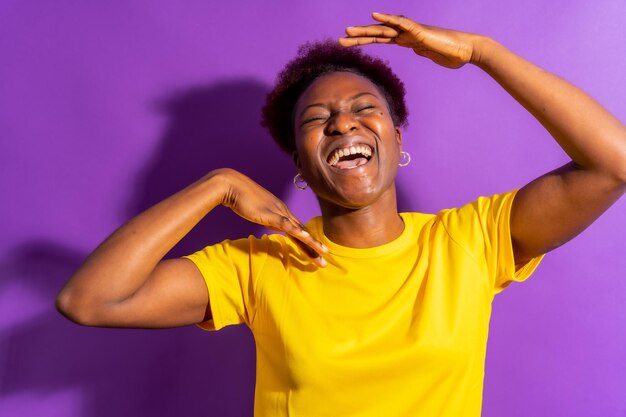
x=399 y=136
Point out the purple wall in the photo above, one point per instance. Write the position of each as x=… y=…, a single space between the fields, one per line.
x=107 y=107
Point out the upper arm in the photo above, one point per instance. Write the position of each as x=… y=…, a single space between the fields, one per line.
x=174 y=295
x=557 y=206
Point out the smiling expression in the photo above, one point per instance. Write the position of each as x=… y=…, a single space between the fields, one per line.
x=347 y=147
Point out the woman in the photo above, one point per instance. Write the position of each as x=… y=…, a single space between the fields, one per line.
x=363 y=311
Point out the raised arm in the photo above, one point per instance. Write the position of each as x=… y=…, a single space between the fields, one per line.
x=125 y=282
x=557 y=206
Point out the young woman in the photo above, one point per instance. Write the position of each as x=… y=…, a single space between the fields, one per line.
x=363 y=311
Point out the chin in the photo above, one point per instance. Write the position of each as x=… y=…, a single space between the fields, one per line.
x=356 y=198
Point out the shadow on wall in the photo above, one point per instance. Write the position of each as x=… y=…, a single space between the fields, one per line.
x=174 y=372
x=213 y=128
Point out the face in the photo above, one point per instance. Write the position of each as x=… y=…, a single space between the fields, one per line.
x=347 y=147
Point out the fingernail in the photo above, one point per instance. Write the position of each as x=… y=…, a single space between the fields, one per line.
x=323 y=262
x=324 y=248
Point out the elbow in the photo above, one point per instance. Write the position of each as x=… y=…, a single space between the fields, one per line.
x=621 y=166
x=77 y=309
x=613 y=177
x=612 y=164
x=622 y=174
x=619 y=176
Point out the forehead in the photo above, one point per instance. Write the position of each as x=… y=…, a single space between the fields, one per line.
x=337 y=86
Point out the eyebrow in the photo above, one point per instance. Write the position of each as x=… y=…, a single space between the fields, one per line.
x=354 y=97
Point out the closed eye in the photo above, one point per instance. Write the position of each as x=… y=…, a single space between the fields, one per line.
x=364 y=108
x=312 y=119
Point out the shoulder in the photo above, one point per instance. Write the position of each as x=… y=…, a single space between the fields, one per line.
x=416 y=223
x=480 y=212
x=244 y=248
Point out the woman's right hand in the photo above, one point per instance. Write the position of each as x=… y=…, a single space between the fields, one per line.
x=126 y=282
x=254 y=203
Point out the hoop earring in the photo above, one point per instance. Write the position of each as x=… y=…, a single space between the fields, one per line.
x=405 y=159
x=298 y=182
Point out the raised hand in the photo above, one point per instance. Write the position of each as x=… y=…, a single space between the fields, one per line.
x=447 y=48
x=254 y=203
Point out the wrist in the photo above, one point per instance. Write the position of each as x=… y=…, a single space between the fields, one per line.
x=482 y=49
x=214 y=186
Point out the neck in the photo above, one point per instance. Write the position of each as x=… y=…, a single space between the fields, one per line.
x=366 y=227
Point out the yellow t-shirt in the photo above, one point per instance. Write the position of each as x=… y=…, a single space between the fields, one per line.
x=395 y=330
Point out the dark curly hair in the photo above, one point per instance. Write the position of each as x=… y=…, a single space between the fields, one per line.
x=316 y=59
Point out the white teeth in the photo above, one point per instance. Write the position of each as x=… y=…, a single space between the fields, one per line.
x=352 y=150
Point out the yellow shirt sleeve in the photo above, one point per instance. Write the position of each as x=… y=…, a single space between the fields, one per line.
x=483 y=228
x=229 y=271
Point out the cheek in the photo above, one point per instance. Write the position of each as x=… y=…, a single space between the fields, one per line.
x=386 y=131
x=306 y=146
x=380 y=121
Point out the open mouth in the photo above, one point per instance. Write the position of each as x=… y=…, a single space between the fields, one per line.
x=350 y=157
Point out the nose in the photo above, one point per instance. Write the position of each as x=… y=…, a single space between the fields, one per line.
x=341 y=123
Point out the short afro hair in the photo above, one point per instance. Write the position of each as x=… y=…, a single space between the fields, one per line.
x=315 y=59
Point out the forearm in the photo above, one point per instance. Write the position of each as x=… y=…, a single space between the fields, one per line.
x=117 y=268
x=588 y=133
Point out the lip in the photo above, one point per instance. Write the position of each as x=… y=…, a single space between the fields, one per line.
x=346 y=143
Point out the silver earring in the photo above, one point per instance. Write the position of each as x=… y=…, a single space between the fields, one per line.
x=405 y=159
x=300 y=182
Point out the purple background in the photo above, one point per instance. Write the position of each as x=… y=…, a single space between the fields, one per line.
x=107 y=107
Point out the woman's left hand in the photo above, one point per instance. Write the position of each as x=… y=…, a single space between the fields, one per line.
x=447 y=48
x=557 y=206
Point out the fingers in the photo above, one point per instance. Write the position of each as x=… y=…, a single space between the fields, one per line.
x=390 y=28
x=286 y=222
x=365 y=35
x=379 y=31
x=317 y=258
x=311 y=246
x=395 y=20
x=363 y=41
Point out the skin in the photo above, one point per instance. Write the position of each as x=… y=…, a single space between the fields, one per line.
x=126 y=283
x=358 y=205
